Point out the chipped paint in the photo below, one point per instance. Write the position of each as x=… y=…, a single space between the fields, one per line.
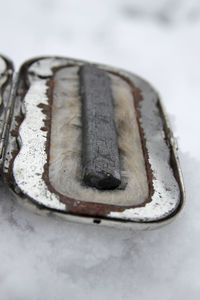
x=29 y=163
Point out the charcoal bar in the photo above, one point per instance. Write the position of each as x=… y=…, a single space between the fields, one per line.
x=100 y=154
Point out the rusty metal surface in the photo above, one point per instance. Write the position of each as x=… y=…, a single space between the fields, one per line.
x=26 y=162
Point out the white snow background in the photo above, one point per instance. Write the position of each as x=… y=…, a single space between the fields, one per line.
x=48 y=258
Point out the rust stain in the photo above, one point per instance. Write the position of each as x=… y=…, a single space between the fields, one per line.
x=75 y=206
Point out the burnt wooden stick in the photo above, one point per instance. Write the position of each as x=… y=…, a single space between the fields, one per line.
x=100 y=154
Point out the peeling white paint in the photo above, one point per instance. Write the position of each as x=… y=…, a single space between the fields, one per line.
x=29 y=164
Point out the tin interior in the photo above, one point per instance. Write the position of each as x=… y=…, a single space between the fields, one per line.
x=26 y=165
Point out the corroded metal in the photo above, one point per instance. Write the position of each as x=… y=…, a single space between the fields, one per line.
x=27 y=156
x=6 y=72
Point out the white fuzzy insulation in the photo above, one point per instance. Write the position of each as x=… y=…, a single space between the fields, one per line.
x=65 y=171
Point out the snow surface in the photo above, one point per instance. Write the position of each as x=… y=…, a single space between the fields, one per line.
x=48 y=258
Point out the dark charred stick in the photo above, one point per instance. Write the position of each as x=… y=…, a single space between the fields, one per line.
x=100 y=155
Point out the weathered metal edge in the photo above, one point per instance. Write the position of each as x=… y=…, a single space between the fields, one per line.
x=125 y=73
x=33 y=207
x=6 y=82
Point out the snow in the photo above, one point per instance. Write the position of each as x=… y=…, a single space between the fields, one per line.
x=45 y=257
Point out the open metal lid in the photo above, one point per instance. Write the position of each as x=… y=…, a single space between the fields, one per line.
x=6 y=75
x=41 y=129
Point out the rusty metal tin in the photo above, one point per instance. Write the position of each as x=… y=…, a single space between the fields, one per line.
x=26 y=161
